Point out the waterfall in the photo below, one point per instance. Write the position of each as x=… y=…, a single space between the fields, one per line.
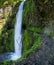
x=18 y=34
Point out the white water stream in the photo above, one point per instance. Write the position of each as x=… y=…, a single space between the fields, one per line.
x=18 y=34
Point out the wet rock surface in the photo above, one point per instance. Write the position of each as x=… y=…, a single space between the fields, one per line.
x=45 y=54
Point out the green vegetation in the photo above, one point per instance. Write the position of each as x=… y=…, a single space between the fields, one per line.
x=11 y=2
x=35 y=29
x=31 y=41
x=7 y=37
x=8 y=62
x=28 y=12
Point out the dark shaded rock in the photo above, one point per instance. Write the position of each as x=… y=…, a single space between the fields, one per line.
x=24 y=26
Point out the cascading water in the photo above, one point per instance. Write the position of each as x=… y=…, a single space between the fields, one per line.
x=17 y=38
x=18 y=35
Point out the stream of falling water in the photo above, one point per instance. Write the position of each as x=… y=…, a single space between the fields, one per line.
x=18 y=34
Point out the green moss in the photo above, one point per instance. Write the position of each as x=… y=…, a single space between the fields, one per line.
x=28 y=11
x=10 y=41
x=31 y=41
x=7 y=37
x=36 y=43
x=27 y=42
x=35 y=29
x=7 y=62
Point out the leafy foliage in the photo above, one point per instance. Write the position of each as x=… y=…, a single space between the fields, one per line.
x=7 y=37
x=9 y=2
x=31 y=41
